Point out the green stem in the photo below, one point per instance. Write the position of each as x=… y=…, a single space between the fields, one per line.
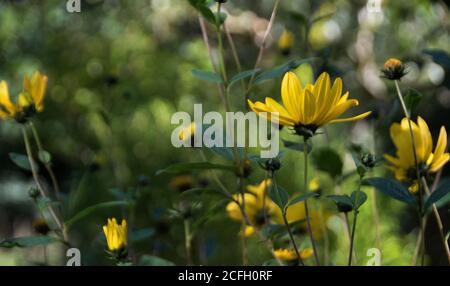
x=47 y=165
x=286 y=223
x=416 y=163
x=355 y=218
x=188 y=241
x=308 y=219
x=220 y=44
x=352 y=239
x=438 y=222
x=58 y=222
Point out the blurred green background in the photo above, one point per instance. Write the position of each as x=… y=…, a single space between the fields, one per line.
x=119 y=70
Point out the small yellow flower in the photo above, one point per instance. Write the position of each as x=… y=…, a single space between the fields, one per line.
x=414 y=187
x=286 y=42
x=314 y=184
x=403 y=164
x=248 y=231
x=394 y=69
x=290 y=254
x=116 y=235
x=30 y=100
x=307 y=108
x=258 y=206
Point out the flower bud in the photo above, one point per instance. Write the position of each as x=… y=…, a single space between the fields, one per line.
x=394 y=69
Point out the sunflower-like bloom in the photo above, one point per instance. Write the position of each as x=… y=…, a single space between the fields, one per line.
x=307 y=108
x=258 y=206
x=30 y=100
x=115 y=234
x=290 y=254
x=403 y=164
x=286 y=42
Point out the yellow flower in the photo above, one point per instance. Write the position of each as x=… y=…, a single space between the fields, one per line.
x=30 y=100
x=403 y=164
x=297 y=213
x=290 y=254
x=248 y=231
x=311 y=106
x=314 y=185
x=286 y=42
x=116 y=235
x=258 y=206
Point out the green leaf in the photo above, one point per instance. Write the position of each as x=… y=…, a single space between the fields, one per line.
x=183 y=167
x=327 y=160
x=279 y=196
x=207 y=76
x=150 y=260
x=412 y=99
x=343 y=202
x=92 y=209
x=241 y=76
x=280 y=70
x=44 y=157
x=358 y=199
x=21 y=161
x=391 y=188
x=203 y=9
x=28 y=241
x=441 y=191
x=302 y=197
x=297 y=146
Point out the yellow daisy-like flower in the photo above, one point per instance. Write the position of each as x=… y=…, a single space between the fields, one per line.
x=297 y=213
x=116 y=235
x=30 y=100
x=307 y=108
x=290 y=254
x=403 y=164
x=286 y=42
x=258 y=206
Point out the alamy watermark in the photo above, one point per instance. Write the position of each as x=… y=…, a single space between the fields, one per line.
x=73 y=6
x=212 y=130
